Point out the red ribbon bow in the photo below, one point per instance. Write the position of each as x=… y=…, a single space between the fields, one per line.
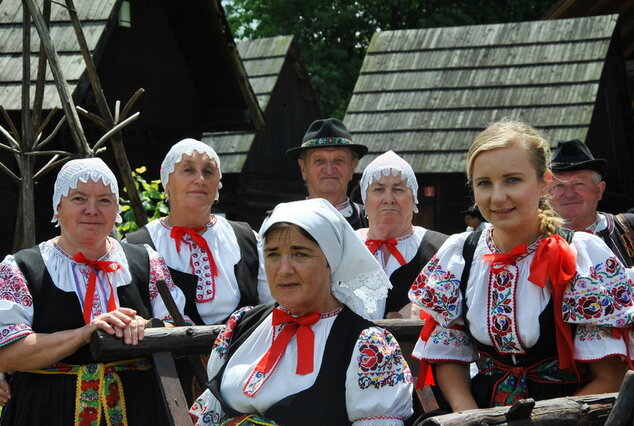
x=178 y=232
x=500 y=260
x=557 y=261
x=305 y=341
x=373 y=246
x=101 y=265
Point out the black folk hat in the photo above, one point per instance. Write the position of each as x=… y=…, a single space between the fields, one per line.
x=575 y=155
x=327 y=133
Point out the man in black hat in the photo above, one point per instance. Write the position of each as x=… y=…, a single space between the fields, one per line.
x=578 y=187
x=327 y=159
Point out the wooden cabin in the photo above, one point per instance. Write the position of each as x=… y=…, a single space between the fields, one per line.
x=256 y=173
x=181 y=53
x=427 y=93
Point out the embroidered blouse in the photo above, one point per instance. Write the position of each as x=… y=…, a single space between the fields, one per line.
x=16 y=303
x=378 y=384
x=503 y=306
x=192 y=259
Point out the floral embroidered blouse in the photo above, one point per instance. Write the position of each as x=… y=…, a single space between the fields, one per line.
x=16 y=303
x=503 y=306
x=192 y=259
x=378 y=384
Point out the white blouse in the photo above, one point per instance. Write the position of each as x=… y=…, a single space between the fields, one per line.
x=506 y=304
x=378 y=389
x=223 y=244
x=16 y=303
x=407 y=245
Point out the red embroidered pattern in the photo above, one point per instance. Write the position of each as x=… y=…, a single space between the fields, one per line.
x=13 y=286
x=380 y=361
x=159 y=271
x=13 y=332
x=502 y=318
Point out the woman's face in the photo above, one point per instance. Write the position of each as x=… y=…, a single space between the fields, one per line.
x=389 y=201
x=298 y=272
x=507 y=189
x=194 y=182
x=87 y=214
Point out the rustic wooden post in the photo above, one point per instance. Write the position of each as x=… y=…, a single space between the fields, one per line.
x=116 y=140
x=622 y=413
x=76 y=130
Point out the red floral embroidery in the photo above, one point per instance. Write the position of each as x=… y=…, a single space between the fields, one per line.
x=13 y=287
x=159 y=271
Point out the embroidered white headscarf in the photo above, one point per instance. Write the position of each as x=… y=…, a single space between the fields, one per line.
x=187 y=147
x=357 y=279
x=81 y=170
x=384 y=165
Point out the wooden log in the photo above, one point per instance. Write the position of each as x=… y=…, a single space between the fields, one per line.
x=199 y=339
x=622 y=413
x=178 y=340
x=587 y=410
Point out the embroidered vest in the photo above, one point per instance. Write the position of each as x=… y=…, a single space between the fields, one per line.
x=403 y=277
x=612 y=236
x=324 y=403
x=57 y=310
x=246 y=270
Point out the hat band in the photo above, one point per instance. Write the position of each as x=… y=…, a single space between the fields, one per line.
x=326 y=141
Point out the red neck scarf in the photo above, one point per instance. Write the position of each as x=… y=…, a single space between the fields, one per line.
x=374 y=245
x=500 y=260
x=557 y=261
x=95 y=265
x=178 y=232
x=305 y=341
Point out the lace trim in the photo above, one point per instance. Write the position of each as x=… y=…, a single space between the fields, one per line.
x=362 y=293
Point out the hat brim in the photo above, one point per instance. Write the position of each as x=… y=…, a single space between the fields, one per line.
x=598 y=165
x=294 y=153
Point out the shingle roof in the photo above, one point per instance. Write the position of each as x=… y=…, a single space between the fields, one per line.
x=263 y=60
x=94 y=16
x=426 y=93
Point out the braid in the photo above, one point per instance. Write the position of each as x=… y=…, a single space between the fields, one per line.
x=549 y=220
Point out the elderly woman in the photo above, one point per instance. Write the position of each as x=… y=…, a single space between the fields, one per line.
x=55 y=295
x=547 y=312
x=313 y=358
x=388 y=189
x=216 y=262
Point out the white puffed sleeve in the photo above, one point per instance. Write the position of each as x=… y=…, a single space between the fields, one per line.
x=600 y=301
x=437 y=291
x=378 y=381
x=16 y=303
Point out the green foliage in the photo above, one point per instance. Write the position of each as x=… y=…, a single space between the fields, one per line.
x=153 y=200
x=333 y=35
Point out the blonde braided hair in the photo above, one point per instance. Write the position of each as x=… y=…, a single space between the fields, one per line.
x=505 y=133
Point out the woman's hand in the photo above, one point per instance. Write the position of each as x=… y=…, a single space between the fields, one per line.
x=5 y=390
x=122 y=323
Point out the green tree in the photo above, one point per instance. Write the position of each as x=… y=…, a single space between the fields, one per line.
x=333 y=35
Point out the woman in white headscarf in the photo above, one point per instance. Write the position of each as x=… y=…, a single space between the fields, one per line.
x=388 y=189
x=216 y=262
x=55 y=295
x=313 y=358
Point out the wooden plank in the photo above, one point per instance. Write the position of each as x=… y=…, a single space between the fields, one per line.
x=622 y=413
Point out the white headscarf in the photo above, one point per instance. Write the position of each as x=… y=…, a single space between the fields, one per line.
x=384 y=165
x=187 y=147
x=81 y=170
x=357 y=279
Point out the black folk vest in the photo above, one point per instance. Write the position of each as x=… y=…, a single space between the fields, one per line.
x=57 y=310
x=246 y=270
x=324 y=403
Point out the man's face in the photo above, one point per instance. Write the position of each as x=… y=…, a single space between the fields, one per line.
x=327 y=172
x=576 y=195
